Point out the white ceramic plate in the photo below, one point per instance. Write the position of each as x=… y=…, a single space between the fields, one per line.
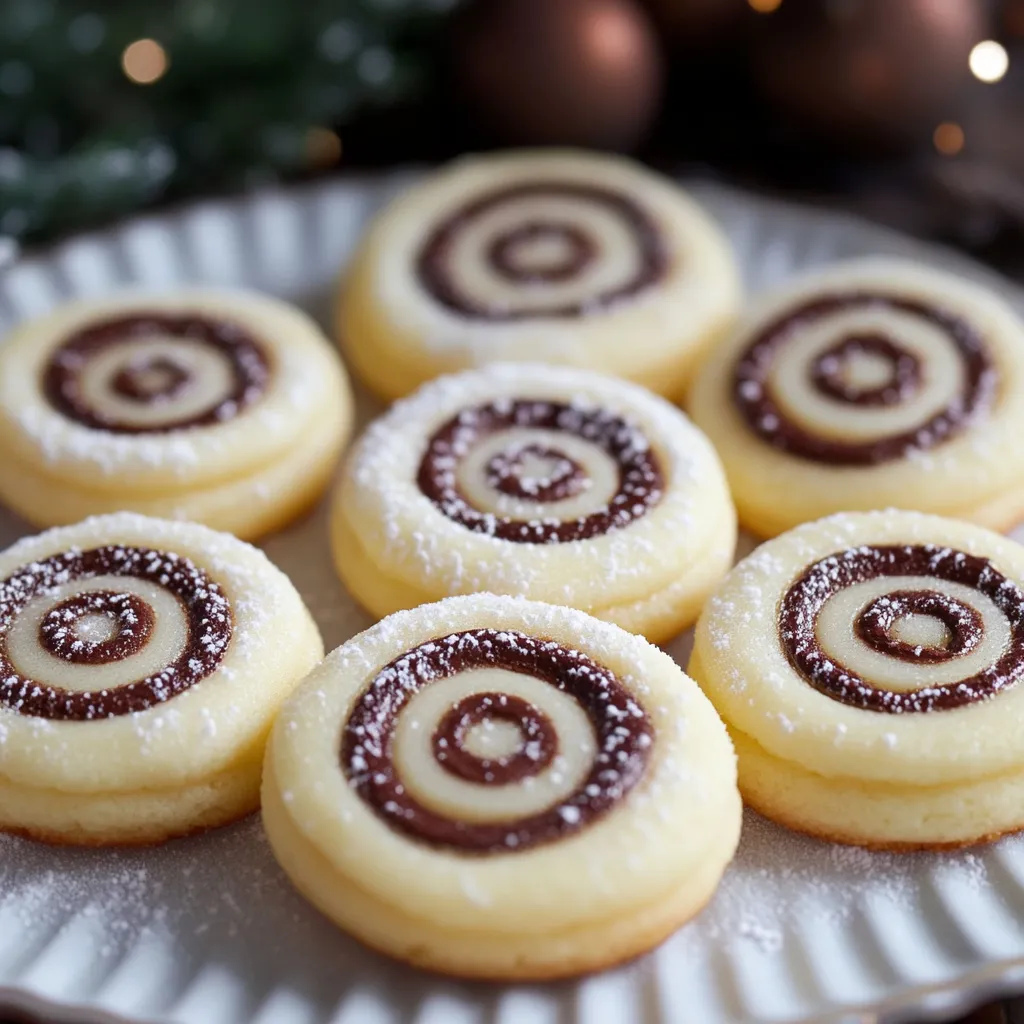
x=208 y=930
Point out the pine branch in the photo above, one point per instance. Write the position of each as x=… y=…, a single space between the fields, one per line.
x=244 y=85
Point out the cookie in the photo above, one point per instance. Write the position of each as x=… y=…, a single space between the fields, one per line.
x=142 y=662
x=492 y=787
x=551 y=256
x=872 y=384
x=226 y=408
x=547 y=482
x=870 y=668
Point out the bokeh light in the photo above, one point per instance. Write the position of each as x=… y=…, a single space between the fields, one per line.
x=323 y=147
x=144 y=61
x=948 y=138
x=989 y=61
x=765 y=6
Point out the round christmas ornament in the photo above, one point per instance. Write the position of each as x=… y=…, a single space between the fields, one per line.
x=496 y=788
x=227 y=408
x=870 y=668
x=870 y=71
x=575 y=72
x=141 y=665
x=872 y=384
x=1013 y=17
x=551 y=483
x=553 y=256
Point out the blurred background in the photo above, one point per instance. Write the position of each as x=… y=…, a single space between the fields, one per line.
x=910 y=111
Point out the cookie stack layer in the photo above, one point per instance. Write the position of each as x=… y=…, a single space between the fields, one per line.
x=551 y=256
x=142 y=663
x=225 y=408
x=870 y=668
x=556 y=484
x=871 y=384
x=498 y=788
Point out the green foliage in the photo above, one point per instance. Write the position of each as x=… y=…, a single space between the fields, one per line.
x=246 y=80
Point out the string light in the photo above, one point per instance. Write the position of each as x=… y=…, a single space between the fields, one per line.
x=144 y=61
x=989 y=61
x=765 y=6
x=948 y=138
x=323 y=147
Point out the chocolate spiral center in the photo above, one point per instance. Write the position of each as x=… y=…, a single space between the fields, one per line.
x=207 y=614
x=540 y=251
x=878 y=623
x=622 y=729
x=753 y=395
x=511 y=254
x=560 y=476
x=831 y=377
x=152 y=380
x=126 y=618
x=538 y=746
x=640 y=487
x=798 y=621
x=155 y=379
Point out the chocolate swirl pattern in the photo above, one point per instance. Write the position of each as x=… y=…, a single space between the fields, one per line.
x=869 y=667
x=107 y=632
x=540 y=472
x=862 y=377
x=154 y=373
x=220 y=407
x=539 y=481
x=532 y=742
x=496 y=787
x=904 y=628
x=493 y=740
x=97 y=627
x=558 y=249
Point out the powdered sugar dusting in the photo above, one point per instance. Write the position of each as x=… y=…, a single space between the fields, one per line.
x=783 y=885
x=242 y=591
x=266 y=415
x=604 y=641
x=410 y=537
x=210 y=624
x=620 y=726
x=221 y=898
x=819 y=582
x=640 y=478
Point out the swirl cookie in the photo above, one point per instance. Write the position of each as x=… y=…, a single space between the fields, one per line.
x=492 y=787
x=227 y=408
x=870 y=668
x=141 y=665
x=547 y=482
x=550 y=256
x=873 y=384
